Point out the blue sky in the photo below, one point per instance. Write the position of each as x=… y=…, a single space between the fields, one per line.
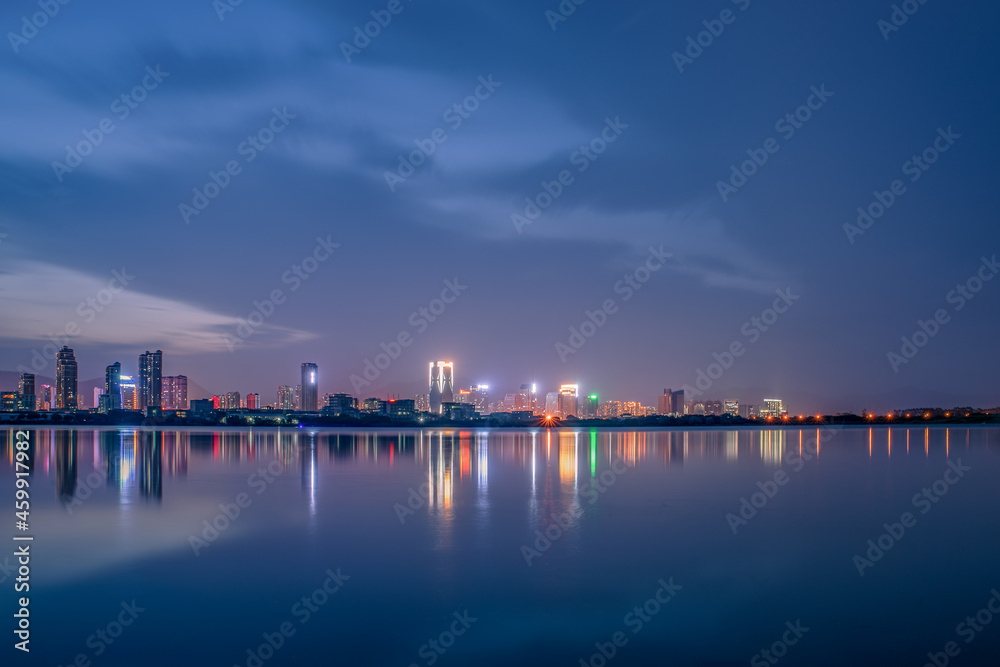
x=344 y=125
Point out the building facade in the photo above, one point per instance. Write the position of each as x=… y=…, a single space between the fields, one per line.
x=310 y=387
x=150 y=387
x=66 y=383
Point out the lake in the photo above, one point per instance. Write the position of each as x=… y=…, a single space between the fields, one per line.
x=819 y=546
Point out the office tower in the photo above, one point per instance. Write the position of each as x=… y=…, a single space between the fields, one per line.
x=663 y=403
x=253 y=401
x=442 y=388
x=286 y=397
x=46 y=397
x=732 y=407
x=113 y=387
x=150 y=388
x=310 y=387
x=175 y=392
x=677 y=402
x=591 y=406
x=26 y=391
x=297 y=397
x=65 y=398
x=128 y=392
x=232 y=400
x=773 y=407
x=98 y=392
x=527 y=397
x=218 y=402
x=552 y=403
x=567 y=400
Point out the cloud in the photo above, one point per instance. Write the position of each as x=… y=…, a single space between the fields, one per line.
x=52 y=300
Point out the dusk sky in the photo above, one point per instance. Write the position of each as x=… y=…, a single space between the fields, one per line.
x=214 y=78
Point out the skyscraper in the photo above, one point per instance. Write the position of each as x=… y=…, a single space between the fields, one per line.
x=65 y=398
x=46 y=397
x=567 y=400
x=150 y=388
x=253 y=401
x=128 y=392
x=286 y=397
x=732 y=407
x=442 y=386
x=773 y=407
x=310 y=387
x=26 y=391
x=175 y=392
x=113 y=387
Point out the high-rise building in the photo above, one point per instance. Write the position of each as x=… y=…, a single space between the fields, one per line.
x=552 y=403
x=442 y=387
x=98 y=392
x=150 y=387
x=286 y=397
x=113 y=387
x=663 y=403
x=749 y=411
x=26 y=391
x=567 y=400
x=528 y=400
x=46 y=397
x=421 y=403
x=590 y=407
x=713 y=408
x=65 y=398
x=232 y=401
x=253 y=401
x=677 y=403
x=732 y=407
x=310 y=387
x=175 y=392
x=128 y=393
x=773 y=407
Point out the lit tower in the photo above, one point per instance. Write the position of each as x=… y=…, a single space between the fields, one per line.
x=442 y=384
x=310 y=387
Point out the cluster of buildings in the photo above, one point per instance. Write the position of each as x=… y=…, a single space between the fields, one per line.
x=150 y=390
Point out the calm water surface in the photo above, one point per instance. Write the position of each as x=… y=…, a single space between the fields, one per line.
x=466 y=547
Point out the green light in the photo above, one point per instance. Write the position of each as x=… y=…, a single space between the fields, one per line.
x=593 y=453
x=593 y=397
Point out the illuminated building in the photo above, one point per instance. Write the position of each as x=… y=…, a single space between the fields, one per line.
x=128 y=392
x=26 y=392
x=552 y=402
x=218 y=402
x=374 y=406
x=748 y=411
x=476 y=395
x=150 y=387
x=175 y=392
x=66 y=386
x=773 y=407
x=442 y=387
x=567 y=406
x=112 y=388
x=310 y=387
x=422 y=403
x=286 y=397
x=634 y=408
x=297 y=397
x=402 y=408
x=676 y=402
x=232 y=401
x=253 y=401
x=341 y=404
x=528 y=400
x=46 y=397
x=8 y=401
x=731 y=407
x=510 y=402
x=713 y=407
